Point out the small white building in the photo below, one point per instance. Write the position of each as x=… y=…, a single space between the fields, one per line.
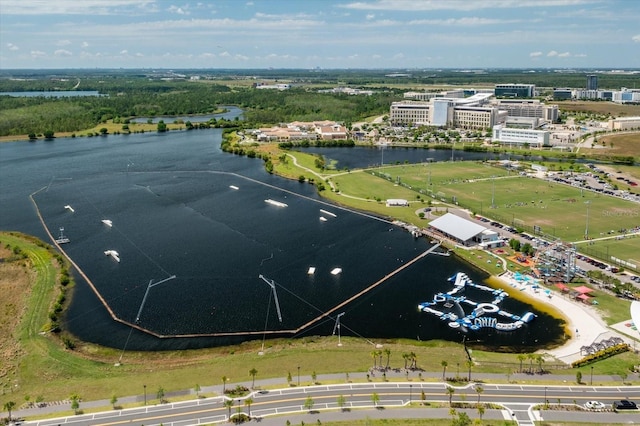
x=465 y=232
x=397 y=202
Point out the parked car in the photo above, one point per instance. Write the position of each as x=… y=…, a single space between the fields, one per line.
x=594 y=405
x=624 y=404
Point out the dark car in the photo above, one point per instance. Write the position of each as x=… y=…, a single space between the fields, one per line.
x=624 y=404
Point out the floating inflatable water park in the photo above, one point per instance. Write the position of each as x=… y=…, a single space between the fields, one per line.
x=448 y=307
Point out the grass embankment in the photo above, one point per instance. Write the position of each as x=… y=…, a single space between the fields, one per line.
x=43 y=369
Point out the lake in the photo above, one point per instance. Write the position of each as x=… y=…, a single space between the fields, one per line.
x=181 y=207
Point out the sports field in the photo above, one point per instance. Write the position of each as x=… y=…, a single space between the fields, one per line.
x=558 y=210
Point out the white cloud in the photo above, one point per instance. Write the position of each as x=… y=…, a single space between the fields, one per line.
x=564 y=55
x=249 y=3
x=38 y=53
x=370 y=16
x=62 y=52
x=376 y=56
x=225 y=54
x=417 y=6
x=74 y=7
x=63 y=43
x=467 y=21
x=535 y=54
x=85 y=44
x=580 y=55
x=124 y=52
x=636 y=38
x=177 y=10
x=552 y=53
x=12 y=47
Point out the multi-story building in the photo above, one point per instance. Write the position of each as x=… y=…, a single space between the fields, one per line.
x=562 y=94
x=468 y=113
x=515 y=90
x=509 y=136
x=529 y=108
x=409 y=112
x=465 y=117
x=592 y=82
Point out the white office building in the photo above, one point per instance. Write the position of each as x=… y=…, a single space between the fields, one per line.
x=509 y=136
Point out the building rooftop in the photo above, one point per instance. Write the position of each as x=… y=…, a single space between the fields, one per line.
x=457 y=227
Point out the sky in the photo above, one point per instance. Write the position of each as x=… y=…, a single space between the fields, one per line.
x=329 y=34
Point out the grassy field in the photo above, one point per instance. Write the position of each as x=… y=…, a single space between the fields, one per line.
x=626 y=144
x=605 y=108
x=559 y=210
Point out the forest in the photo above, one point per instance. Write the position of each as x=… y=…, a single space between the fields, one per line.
x=144 y=93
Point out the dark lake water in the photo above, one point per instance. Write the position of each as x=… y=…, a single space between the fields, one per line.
x=181 y=207
x=172 y=119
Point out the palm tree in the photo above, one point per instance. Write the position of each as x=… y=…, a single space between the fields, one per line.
x=229 y=404
x=248 y=403
x=540 y=360
x=450 y=392
x=224 y=383
x=470 y=364
x=253 y=373
x=479 y=389
x=521 y=358
x=531 y=357
x=414 y=360
x=444 y=365
x=341 y=402
x=380 y=361
x=405 y=357
x=375 y=398
x=114 y=401
x=75 y=402
x=8 y=406
x=160 y=394
x=308 y=403
x=387 y=352
x=374 y=355
x=480 y=411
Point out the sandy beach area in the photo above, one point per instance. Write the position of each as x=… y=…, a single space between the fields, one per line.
x=585 y=322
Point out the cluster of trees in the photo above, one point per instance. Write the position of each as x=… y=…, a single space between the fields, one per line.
x=122 y=98
x=526 y=248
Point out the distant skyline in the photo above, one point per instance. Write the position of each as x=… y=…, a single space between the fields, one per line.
x=401 y=34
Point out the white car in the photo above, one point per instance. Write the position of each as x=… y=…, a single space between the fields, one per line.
x=594 y=405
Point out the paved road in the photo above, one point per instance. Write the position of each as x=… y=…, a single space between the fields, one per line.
x=520 y=402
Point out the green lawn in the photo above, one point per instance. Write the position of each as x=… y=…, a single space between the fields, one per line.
x=559 y=210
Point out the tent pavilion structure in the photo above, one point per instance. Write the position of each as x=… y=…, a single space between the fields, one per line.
x=583 y=289
x=465 y=232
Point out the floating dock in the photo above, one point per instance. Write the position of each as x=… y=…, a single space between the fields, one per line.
x=114 y=255
x=328 y=213
x=336 y=271
x=275 y=203
x=323 y=219
x=61 y=238
x=107 y=222
x=68 y=207
x=233 y=187
x=311 y=270
x=448 y=306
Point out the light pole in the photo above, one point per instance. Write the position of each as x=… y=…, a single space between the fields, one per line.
x=586 y=229
x=591 y=377
x=298 y=376
x=145 y=394
x=410 y=393
x=545 y=396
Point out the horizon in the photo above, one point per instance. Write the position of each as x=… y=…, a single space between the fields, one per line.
x=327 y=34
